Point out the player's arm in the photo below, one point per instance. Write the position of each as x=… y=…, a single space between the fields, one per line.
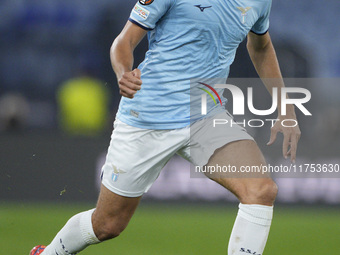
x=121 y=54
x=263 y=56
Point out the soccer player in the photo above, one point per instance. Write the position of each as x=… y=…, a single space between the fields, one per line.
x=187 y=39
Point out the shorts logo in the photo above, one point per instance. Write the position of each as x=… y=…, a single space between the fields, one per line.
x=116 y=173
x=145 y=2
x=141 y=12
x=244 y=13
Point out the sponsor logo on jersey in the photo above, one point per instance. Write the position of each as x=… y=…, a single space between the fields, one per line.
x=145 y=2
x=134 y=113
x=116 y=173
x=244 y=13
x=202 y=8
x=141 y=12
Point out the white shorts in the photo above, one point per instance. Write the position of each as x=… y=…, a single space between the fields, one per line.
x=136 y=156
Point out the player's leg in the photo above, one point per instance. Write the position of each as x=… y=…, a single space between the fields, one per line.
x=255 y=191
x=229 y=146
x=134 y=161
x=108 y=220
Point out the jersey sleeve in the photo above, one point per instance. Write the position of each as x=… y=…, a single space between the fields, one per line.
x=262 y=24
x=146 y=13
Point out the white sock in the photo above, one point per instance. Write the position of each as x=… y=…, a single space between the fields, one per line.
x=75 y=236
x=251 y=229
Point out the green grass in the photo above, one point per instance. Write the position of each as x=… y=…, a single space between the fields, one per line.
x=174 y=230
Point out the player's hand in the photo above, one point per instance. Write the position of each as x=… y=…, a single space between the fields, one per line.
x=291 y=136
x=130 y=83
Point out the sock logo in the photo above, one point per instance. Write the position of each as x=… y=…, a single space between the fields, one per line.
x=248 y=251
x=64 y=248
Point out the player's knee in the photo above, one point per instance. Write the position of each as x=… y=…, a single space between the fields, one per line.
x=268 y=192
x=111 y=231
x=109 y=228
x=262 y=192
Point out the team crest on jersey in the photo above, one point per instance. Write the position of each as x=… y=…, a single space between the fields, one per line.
x=244 y=13
x=145 y=2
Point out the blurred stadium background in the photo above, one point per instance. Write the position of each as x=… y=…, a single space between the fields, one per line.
x=51 y=151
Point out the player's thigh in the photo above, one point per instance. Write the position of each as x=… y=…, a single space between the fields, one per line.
x=245 y=178
x=244 y=158
x=113 y=212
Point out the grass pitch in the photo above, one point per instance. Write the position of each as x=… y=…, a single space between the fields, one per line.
x=163 y=229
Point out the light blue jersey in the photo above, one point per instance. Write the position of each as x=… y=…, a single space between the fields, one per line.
x=188 y=39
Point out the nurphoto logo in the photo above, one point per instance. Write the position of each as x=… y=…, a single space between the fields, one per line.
x=239 y=103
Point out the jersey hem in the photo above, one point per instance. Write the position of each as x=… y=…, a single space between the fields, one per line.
x=151 y=125
x=166 y=126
